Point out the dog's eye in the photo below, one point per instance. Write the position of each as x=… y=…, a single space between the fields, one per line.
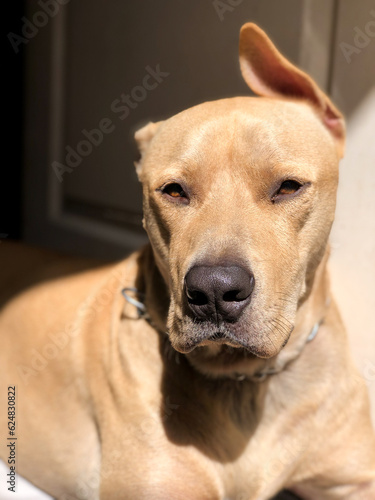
x=287 y=188
x=175 y=191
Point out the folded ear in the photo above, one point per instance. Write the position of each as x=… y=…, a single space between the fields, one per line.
x=268 y=73
x=143 y=138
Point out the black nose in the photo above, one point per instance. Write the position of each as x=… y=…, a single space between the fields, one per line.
x=218 y=293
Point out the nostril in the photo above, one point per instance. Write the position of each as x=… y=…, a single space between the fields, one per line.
x=196 y=297
x=233 y=296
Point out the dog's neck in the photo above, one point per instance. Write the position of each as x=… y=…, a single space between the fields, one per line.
x=310 y=314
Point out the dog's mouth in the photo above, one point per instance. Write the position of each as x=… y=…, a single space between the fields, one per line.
x=225 y=350
x=241 y=338
x=214 y=341
x=221 y=358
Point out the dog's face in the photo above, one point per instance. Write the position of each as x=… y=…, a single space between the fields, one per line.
x=239 y=198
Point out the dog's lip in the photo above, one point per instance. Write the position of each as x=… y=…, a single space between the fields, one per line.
x=189 y=346
x=221 y=341
x=260 y=350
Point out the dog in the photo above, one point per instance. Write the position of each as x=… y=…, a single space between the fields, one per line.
x=212 y=364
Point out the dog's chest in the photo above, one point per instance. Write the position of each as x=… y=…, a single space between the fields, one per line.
x=220 y=441
x=230 y=468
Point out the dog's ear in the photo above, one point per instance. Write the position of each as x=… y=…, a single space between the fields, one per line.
x=143 y=138
x=268 y=73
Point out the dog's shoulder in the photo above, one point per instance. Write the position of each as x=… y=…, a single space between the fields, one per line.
x=42 y=292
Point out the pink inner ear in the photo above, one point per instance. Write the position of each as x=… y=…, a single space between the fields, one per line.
x=334 y=122
x=280 y=76
x=269 y=73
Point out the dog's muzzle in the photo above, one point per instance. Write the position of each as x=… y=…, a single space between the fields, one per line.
x=218 y=293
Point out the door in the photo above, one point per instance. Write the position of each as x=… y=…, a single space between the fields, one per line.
x=98 y=70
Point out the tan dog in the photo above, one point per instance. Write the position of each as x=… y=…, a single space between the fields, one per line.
x=238 y=400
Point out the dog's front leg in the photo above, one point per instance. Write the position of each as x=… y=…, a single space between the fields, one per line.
x=139 y=463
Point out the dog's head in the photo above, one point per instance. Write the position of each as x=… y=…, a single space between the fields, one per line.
x=239 y=198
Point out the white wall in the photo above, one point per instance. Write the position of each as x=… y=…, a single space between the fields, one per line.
x=353 y=236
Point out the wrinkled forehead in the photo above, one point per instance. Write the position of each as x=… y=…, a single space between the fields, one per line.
x=252 y=131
